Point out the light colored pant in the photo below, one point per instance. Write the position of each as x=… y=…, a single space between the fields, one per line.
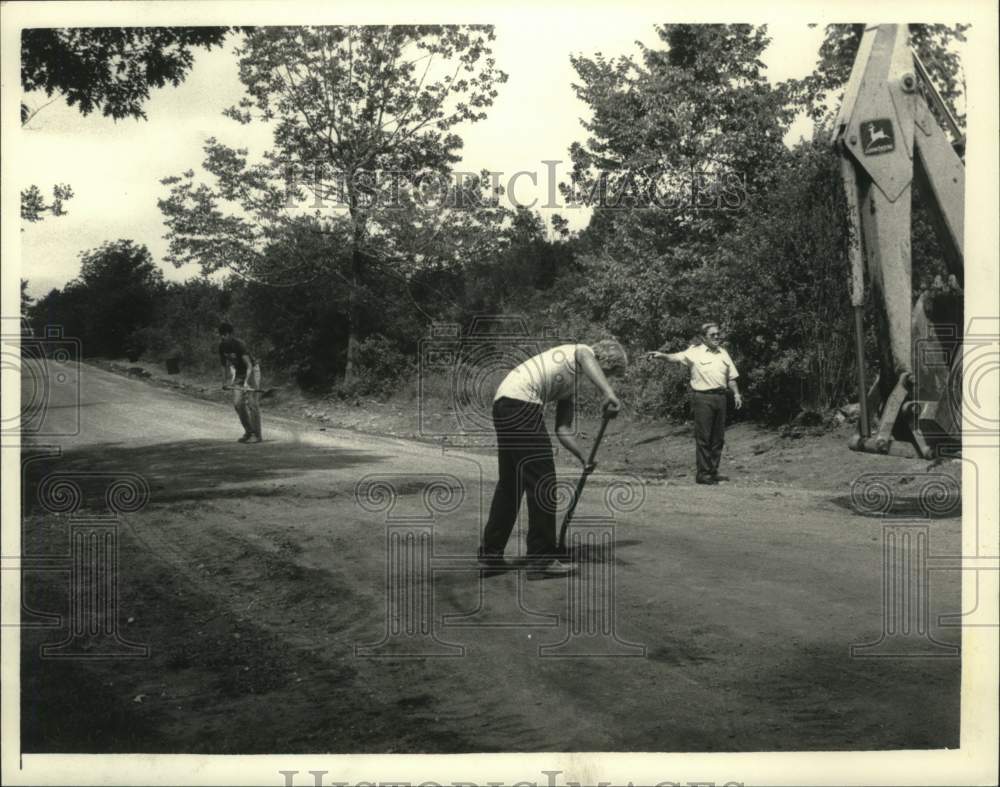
x=247 y=403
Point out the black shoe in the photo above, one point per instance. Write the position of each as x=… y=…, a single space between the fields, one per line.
x=491 y=561
x=710 y=480
x=718 y=477
x=553 y=568
x=245 y=438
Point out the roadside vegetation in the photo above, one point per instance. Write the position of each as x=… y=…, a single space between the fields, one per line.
x=699 y=210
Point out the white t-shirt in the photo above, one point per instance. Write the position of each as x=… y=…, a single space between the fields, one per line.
x=709 y=369
x=547 y=377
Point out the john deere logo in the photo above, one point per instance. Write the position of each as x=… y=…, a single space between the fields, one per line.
x=876 y=137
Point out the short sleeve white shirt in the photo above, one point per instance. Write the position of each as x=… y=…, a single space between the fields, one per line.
x=709 y=369
x=547 y=377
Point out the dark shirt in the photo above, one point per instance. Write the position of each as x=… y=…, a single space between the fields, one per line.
x=231 y=351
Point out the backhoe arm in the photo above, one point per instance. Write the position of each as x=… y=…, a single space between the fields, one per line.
x=887 y=136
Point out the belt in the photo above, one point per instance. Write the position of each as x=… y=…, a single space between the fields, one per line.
x=710 y=391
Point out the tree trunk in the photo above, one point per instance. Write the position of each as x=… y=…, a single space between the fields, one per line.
x=354 y=297
x=353 y=311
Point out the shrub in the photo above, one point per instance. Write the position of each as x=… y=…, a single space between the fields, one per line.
x=381 y=368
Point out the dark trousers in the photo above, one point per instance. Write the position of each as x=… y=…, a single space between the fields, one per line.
x=247 y=403
x=709 y=410
x=527 y=467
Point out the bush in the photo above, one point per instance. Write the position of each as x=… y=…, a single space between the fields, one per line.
x=135 y=346
x=653 y=388
x=380 y=369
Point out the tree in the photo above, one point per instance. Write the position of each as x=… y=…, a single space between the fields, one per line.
x=519 y=276
x=119 y=285
x=669 y=131
x=26 y=300
x=34 y=207
x=680 y=145
x=107 y=68
x=935 y=45
x=780 y=285
x=184 y=324
x=363 y=122
x=67 y=308
x=110 y=69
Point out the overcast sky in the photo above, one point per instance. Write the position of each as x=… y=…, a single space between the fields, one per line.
x=114 y=168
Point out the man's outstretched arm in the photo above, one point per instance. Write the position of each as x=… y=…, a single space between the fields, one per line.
x=673 y=357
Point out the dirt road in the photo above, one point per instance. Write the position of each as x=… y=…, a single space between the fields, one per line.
x=284 y=613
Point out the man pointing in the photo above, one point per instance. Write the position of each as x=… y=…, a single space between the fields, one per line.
x=713 y=373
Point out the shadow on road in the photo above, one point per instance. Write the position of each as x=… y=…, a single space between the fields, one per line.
x=915 y=506
x=182 y=471
x=601 y=552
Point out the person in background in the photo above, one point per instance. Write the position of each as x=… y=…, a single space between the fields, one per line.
x=713 y=375
x=524 y=452
x=238 y=362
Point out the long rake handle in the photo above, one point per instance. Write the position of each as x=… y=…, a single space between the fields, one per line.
x=241 y=388
x=608 y=415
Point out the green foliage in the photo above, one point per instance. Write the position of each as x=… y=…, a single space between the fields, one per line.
x=819 y=92
x=302 y=329
x=517 y=275
x=783 y=279
x=685 y=120
x=338 y=294
x=26 y=300
x=34 y=207
x=110 y=69
x=381 y=369
x=699 y=124
x=348 y=105
x=185 y=325
x=114 y=296
x=651 y=389
x=772 y=267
